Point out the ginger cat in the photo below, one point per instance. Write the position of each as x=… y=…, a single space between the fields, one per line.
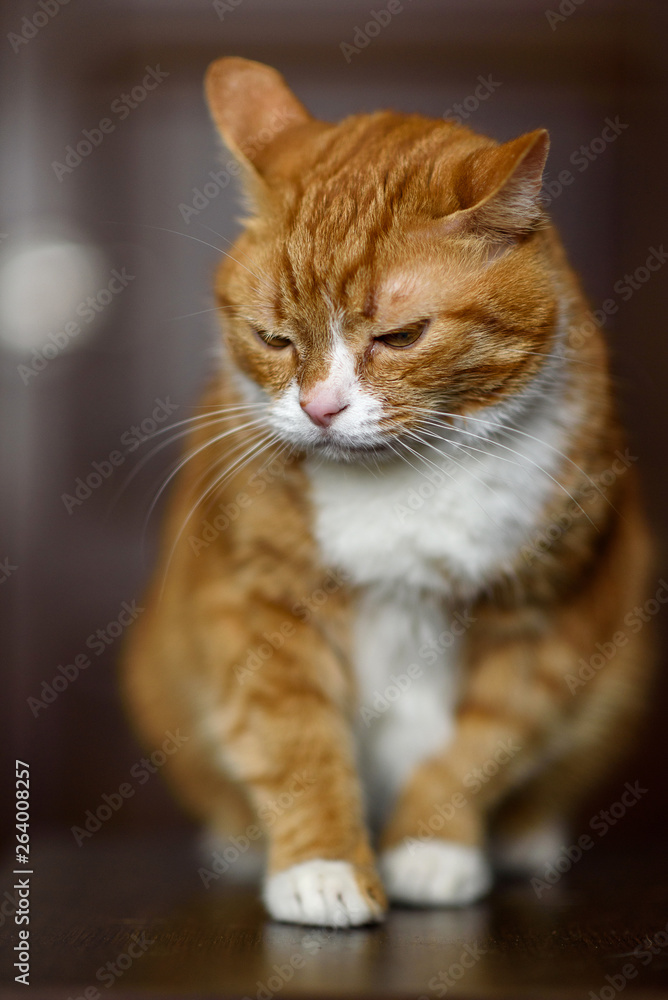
x=403 y=522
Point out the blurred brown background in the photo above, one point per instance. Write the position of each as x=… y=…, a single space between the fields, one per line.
x=65 y=229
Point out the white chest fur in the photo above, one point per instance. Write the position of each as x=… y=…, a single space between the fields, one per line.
x=406 y=663
x=410 y=535
x=454 y=516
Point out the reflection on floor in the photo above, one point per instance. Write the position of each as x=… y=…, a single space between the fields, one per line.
x=136 y=917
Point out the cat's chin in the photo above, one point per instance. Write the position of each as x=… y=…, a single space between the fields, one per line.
x=341 y=452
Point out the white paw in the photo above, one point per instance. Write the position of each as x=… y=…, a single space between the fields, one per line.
x=437 y=873
x=324 y=893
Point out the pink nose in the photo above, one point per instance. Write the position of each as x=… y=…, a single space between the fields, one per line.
x=322 y=408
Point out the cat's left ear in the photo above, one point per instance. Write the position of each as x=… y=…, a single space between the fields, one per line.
x=251 y=105
x=499 y=188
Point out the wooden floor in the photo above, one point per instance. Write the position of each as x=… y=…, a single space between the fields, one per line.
x=135 y=920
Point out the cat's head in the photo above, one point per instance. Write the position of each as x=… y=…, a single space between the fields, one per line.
x=391 y=265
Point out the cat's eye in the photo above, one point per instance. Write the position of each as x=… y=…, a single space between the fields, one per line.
x=404 y=337
x=272 y=339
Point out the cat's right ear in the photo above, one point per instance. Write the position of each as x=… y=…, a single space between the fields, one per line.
x=499 y=188
x=251 y=105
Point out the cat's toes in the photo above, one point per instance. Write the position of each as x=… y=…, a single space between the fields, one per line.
x=437 y=873
x=325 y=893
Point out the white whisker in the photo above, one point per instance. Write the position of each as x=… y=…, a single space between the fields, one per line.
x=197 y=451
x=461 y=465
x=249 y=436
x=188 y=236
x=237 y=466
x=249 y=259
x=513 y=451
x=454 y=479
x=203 y=420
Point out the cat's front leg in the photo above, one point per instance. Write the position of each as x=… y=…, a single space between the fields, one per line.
x=433 y=848
x=513 y=704
x=289 y=740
